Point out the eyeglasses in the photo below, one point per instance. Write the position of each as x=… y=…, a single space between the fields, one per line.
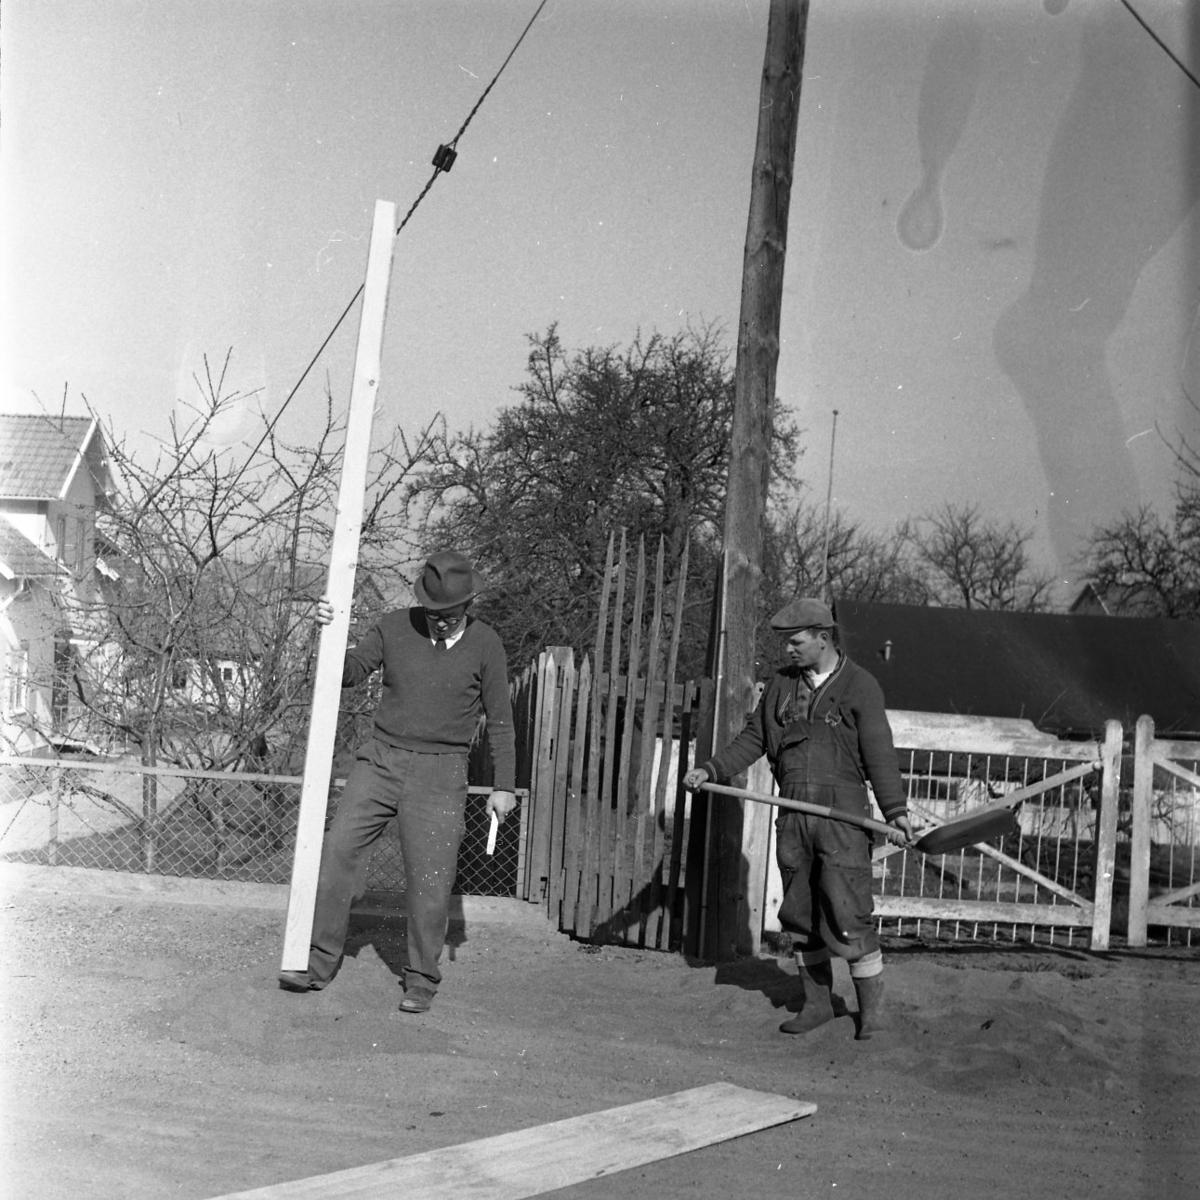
x=445 y=617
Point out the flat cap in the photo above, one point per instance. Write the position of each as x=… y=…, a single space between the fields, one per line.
x=805 y=613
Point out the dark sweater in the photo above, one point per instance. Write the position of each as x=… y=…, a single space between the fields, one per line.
x=432 y=699
x=849 y=704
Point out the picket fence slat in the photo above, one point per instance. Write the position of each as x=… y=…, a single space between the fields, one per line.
x=574 y=831
x=622 y=874
x=564 y=691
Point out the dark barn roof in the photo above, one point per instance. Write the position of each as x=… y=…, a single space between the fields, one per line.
x=1066 y=674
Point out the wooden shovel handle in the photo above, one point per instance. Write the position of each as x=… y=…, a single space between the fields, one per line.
x=816 y=810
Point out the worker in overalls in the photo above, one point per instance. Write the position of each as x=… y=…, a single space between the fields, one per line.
x=822 y=725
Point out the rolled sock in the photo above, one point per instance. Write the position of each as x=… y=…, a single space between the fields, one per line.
x=868 y=965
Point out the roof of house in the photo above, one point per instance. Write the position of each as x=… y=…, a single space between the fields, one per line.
x=39 y=454
x=22 y=559
x=1068 y=674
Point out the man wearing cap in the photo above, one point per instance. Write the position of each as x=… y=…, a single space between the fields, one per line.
x=822 y=724
x=442 y=669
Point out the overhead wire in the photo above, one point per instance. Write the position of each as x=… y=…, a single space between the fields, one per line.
x=1133 y=12
x=443 y=160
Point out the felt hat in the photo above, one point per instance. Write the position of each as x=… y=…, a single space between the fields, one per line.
x=447 y=579
x=804 y=613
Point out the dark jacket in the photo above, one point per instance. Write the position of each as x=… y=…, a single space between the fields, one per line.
x=835 y=739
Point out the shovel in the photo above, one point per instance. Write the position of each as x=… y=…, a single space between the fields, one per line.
x=945 y=839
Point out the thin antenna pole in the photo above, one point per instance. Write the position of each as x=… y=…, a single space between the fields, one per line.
x=828 y=503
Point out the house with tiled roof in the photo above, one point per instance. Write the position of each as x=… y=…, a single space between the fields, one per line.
x=54 y=477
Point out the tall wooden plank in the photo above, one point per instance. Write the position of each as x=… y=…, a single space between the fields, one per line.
x=541 y=789
x=1139 y=849
x=622 y=849
x=604 y=862
x=576 y=800
x=1106 y=835
x=339 y=589
x=589 y=858
x=547 y=1158
x=564 y=699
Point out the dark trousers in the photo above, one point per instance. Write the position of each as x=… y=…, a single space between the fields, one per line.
x=426 y=793
x=826 y=871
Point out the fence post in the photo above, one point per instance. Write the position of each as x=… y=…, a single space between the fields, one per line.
x=149 y=820
x=541 y=783
x=1106 y=835
x=55 y=801
x=1139 y=850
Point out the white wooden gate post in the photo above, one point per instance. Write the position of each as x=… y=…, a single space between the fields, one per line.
x=1139 y=845
x=343 y=557
x=1106 y=834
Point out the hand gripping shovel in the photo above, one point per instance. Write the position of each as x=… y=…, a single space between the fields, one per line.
x=945 y=839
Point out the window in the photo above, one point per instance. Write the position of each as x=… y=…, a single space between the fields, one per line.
x=226 y=674
x=60 y=539
x=179 y=677
x=16 y=692
x=60 y=695
x=81 y=542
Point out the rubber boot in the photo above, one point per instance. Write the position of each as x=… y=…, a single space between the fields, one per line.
x=871 y=1019
x=816 y=997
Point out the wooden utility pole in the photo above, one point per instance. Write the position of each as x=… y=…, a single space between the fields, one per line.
x=343 y=558
x=729 y=932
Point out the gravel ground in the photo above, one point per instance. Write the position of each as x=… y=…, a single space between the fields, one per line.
x=148 y=1052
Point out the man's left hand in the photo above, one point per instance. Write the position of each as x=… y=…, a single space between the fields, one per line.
x=501 y=803
x=904 y=830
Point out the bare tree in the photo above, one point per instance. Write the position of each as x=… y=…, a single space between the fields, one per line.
x=199 y=652
x=971 y=562
x=602 y=438
x=859 y=564
x=1143 y=566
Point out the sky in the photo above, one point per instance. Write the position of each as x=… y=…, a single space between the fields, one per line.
x=992 y=271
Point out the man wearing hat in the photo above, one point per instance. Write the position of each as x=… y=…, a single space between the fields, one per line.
x=442 y=669
x=822 y=724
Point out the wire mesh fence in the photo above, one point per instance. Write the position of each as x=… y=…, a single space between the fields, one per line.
x=209 y=825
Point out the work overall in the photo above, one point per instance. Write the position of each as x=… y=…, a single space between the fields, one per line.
x=825 y=864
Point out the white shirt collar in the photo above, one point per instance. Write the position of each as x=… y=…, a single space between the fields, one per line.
x=453 y=637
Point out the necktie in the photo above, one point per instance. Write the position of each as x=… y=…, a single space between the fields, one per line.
x=441 y=645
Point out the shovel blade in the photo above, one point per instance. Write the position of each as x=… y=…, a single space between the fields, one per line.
x=954 y=835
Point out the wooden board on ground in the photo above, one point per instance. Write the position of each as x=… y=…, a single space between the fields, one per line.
x=532 y=1161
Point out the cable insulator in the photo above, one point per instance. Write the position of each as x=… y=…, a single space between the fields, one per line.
x=444 y=158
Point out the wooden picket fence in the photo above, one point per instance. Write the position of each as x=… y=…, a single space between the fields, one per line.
x=609 y=832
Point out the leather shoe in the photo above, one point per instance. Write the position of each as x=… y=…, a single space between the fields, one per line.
x=299 y=981
x=417 y=1000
